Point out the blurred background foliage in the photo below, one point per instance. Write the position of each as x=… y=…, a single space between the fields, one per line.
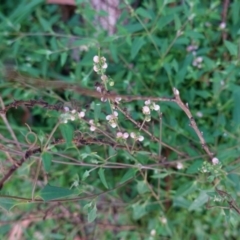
x=153 y=47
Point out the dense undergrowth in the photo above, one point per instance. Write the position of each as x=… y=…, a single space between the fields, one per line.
x=130 y=135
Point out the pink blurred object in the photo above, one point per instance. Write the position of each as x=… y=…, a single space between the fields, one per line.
x=64 y=2
x=109 y=6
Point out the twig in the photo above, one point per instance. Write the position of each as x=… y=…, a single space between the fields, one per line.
x=30 y=104
x=14 y=167
x=193 y=123
x=232 y=204
x=14 y=76
x=150 y=134
x=224 y=17
x=2 y=113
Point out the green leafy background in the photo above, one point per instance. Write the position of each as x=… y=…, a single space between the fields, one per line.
x=147 y=56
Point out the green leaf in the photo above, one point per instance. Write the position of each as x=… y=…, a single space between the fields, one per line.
x=235 y=11
x=199 y=201
x=109 y=39
x=41 y=137
x=85 y=41
x=56 y=236
x=135 y=27
x=236 y=108
x=138 y=211
x=186 y=188
x=128 y=175
x=136 y=46
x=203 y=93
x=97 y=110
x=231 y=47
x=181 y=202
x=183 y=69
x=63 y=58
x=194 y=167
x=163 y=21
x=44 y=51
x=87 y=206
x=92 y=214
x=142 y=187
x=67 y=132
x=23 y=9
x=45 y=24
x=102 y=177
x=47 y=161
x=49 y=193
x=227 y=214
x=194 y=34
x=7 y=203
x=4 y=229
x=209 y=63
x=85 y=175
x=114 y=52
x=161 y=175
x=235 y=180
x=144 y=13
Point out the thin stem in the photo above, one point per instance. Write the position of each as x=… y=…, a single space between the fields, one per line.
x=3 y=115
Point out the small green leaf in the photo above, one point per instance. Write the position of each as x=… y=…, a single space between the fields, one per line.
x=142 y=187
x=186 y=188
x=128 y=175
x=4 y=229
x=132 y=28
x=138 y=211
x=7 y=203
x=236 y=108
x=235 y=11
x=45 y=24
x=199 y=201
x=87 y=206
x=232 y=48
x=85 y=175
x=144 y=13
x=86 y=41
x=227 y=214
x=63 y=58
x=181 y=202
x=41 y=137
x=67 y=132
x=56 y=236
x=114 y=52
x=194 y=167
x=161 y=175
x=47 y=160
x=97 y=110
x=163 y=21
x=44 y=51
x=136 y=46
x=102 y=177
x=92 y=214
x=49 y=193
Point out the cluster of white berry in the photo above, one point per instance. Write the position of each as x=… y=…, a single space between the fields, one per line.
x=92 y=125
x=112 y=119
x=147 y=109
x=100 y=65
x=133 y=135
x=71 y=115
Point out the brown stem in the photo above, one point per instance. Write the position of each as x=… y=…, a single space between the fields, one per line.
x=193 y=123
x=14 y=167
x=224 y=17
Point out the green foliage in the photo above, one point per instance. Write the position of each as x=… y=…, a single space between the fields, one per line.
x=90 y=183
x=47 y=160
x=49 y=193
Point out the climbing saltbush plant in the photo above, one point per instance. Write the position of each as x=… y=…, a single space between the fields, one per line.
x=123 y=133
